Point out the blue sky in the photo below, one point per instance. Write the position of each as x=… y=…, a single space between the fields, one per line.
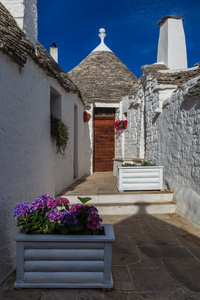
x=131 y=28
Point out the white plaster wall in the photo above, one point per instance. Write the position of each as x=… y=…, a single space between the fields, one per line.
x=29 y=166
x=89 y=140
x=172 y=45
x=63 y=168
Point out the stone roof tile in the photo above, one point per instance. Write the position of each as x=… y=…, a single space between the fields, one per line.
x=175 y=77
x=193 y=92
x=102 y=77
x=13 y=42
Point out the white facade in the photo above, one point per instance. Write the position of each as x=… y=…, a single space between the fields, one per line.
x=29 y=165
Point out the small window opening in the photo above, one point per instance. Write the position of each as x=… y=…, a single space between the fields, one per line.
x=102 y=112
x=55 y=103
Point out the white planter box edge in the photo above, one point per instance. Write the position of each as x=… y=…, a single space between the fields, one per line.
x=64 y=261
x=140 y=178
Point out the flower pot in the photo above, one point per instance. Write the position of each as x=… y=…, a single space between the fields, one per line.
x=64 y=261
x=140 y=178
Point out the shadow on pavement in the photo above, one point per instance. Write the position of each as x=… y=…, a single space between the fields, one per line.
x=154 y=257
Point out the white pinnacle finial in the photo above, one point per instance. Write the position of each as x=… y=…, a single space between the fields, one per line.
x=102 y=34
x=102 y=46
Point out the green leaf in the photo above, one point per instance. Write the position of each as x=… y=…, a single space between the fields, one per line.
x=20 y=218
x=64 y=229
x=84 y=200
x=46 y=228
x=77 y=227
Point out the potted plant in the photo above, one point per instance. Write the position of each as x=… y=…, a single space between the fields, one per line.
x=147 y=176
x=62 y=247
x=120 y=124
x=59 y=133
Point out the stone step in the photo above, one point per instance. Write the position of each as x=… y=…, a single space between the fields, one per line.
x=131 y=204
x=136 y=208
x=125 y=198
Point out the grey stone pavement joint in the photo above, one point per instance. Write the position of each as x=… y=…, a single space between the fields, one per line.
x=154 y=257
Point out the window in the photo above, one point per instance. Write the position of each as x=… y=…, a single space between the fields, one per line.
x=55 y=103
x=101 y=112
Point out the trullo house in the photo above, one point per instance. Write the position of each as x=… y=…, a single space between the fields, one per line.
x=162 y=109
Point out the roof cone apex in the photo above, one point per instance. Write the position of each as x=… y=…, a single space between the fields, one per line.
x=102 y=46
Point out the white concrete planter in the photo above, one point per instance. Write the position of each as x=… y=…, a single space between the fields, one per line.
x=64 y=261
x=140 y=178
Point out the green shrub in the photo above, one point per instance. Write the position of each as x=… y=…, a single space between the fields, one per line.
x=59 y=133
x=128 y=165
x=147 y=164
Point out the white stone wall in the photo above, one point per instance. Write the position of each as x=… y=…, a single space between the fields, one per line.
x=172 y=139
x=118 y=134
x=29 y=166
x=130 y=141
x=180 y=152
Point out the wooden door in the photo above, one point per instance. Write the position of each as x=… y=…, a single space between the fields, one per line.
x=104 y=139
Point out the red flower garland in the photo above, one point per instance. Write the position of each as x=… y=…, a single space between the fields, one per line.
x=120 y=124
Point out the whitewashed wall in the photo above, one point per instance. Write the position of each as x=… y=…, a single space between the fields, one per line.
x=129 y=142
x=172 y=139
x=180 y=152
x=29 y=166
x=88 y=140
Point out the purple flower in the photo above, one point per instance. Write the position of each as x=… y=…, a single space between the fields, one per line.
x=76 y=209
x=94 y=220
x=21 y=210
x=52 y=203
x=41 y=203
x=63 y=201
x=38 y=204
x=92 y=208
x=54 y=214
x=45 y=197
x=68 y=218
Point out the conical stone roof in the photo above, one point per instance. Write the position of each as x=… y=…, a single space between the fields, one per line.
x=102 y=77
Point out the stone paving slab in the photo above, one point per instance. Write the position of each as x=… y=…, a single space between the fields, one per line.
x=99 y=183
x=155 y=257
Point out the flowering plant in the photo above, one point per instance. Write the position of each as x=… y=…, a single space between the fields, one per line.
x=120 y=124
x=46 y=215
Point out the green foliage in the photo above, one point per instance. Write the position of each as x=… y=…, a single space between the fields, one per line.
x=143 y=164
x=147 y=164
x=59 y=133
x=36 y=223
x=46 y=215
x=128 y=165
x=84 y=200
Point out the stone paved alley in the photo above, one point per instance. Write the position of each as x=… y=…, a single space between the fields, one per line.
x=155 y=257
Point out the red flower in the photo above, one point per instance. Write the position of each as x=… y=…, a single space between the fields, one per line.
x=120 y=124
